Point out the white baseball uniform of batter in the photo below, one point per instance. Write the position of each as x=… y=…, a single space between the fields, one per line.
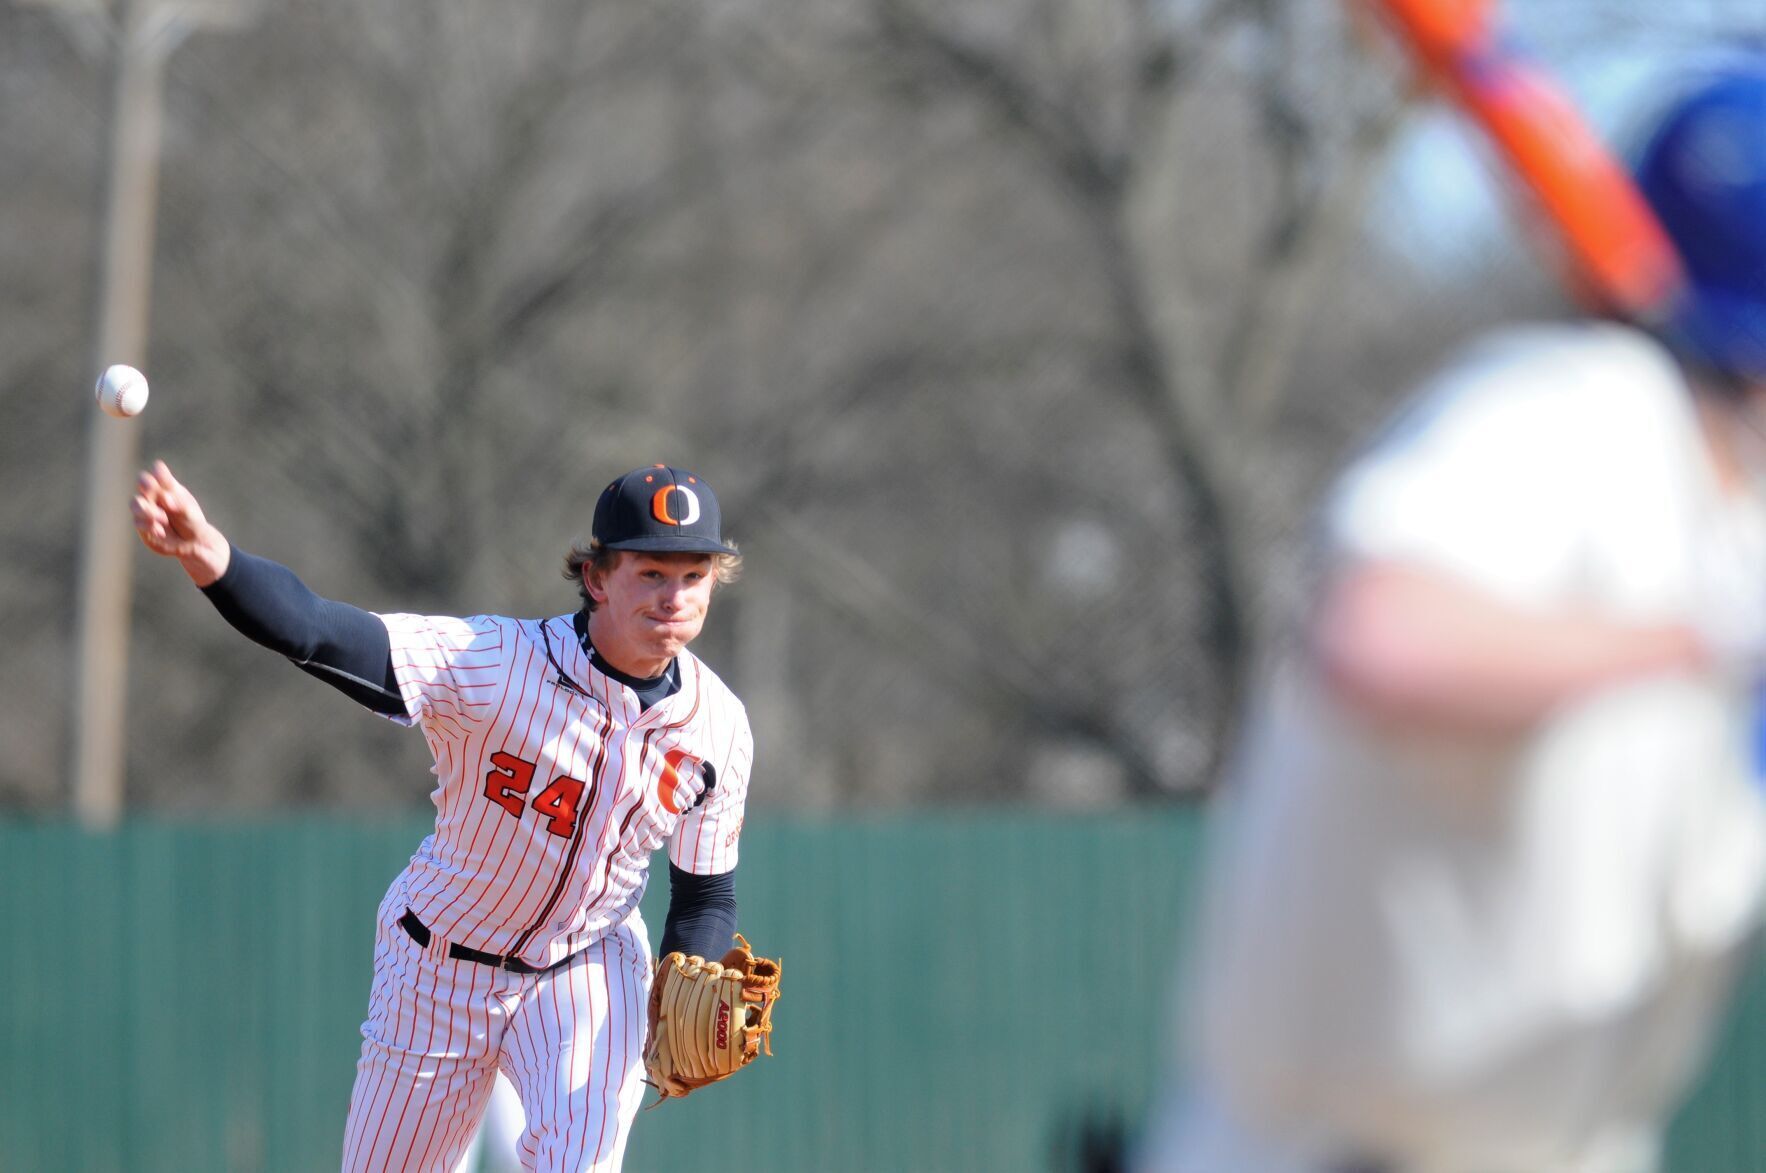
x=1492 y=957
x=553 y=793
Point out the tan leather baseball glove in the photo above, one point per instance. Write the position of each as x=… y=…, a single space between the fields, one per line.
x=708 y=1019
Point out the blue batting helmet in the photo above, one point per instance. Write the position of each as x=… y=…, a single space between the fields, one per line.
x=1703 y=170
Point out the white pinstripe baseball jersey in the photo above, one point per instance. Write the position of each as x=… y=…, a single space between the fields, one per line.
x=554 y=787
x=550 y=796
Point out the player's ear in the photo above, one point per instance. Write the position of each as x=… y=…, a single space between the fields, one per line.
x=594 y=574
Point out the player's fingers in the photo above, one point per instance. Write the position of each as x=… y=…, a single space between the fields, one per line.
x=147 y=513
x=164 y=528
x=172 y=485
x=147 y=489
x=686 y=791
x=157 y=505
x=157 y=539
x=154 y=537
x=179 y=500
x=171 y=491
x=181 y=510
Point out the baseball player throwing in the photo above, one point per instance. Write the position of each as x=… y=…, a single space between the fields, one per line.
x=566 y=751
x=1493 y=847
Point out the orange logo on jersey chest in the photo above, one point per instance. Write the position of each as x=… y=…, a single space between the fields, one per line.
x=675 y=763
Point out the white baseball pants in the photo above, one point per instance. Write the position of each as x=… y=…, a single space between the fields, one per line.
x=438 y=1030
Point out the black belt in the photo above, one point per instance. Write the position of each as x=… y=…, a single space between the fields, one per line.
x=420 y=933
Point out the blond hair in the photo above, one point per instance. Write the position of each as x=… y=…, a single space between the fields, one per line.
x=727 y=568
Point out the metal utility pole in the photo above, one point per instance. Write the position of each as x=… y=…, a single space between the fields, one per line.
x=143 y=35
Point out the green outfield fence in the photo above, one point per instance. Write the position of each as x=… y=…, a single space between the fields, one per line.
x=961 y=993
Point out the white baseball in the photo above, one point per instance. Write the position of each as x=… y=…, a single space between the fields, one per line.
x=122 y=391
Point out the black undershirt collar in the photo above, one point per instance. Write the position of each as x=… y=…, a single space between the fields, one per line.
x=649 y=691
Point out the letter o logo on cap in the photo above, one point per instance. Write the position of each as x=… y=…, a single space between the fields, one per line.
x=662 y=505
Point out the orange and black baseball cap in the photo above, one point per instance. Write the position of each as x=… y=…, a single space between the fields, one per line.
x=662 y=510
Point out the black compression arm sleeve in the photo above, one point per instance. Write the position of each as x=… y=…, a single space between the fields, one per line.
x=701 y=914
x=344 y=646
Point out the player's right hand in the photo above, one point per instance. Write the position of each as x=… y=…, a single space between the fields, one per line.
x=171 y=524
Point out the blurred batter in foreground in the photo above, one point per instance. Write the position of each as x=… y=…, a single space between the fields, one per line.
x=1492 y=852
